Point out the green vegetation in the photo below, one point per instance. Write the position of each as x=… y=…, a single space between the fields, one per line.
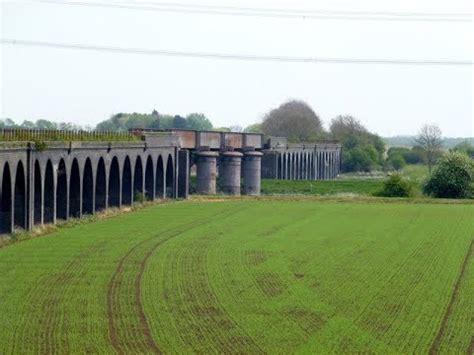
x=396 y=186
x=41 y=136
x=125 y=121
x=210 y=277
x=321 y=187
x=361 y=150
x=453 y=177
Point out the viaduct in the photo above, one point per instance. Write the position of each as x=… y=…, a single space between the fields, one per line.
x=42 y=184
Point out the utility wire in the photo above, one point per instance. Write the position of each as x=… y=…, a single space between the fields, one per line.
x=274 y=13
x=329 y=12
x=231 y=56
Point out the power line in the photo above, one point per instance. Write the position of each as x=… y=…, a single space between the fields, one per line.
x=231 y=56
x=384 y=13
x=274 y=13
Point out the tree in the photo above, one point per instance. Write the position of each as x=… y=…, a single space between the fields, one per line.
x=465 y=148
x=361 y=150
x=397 y=161
x=429 y=139
x=453 y=177
x=253 y=128
x=236 y=128
x=7 y=123
x=45 y=124
x=295 y=120
x=345 y=126
x=198 y=121
x=179 y=122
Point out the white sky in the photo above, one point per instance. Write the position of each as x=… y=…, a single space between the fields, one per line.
x=87 y=87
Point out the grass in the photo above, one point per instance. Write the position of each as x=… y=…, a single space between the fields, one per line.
x=321 y=187
x=248 y=276
x=357 y=184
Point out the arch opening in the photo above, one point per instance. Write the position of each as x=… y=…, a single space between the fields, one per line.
x=169 y=177
x=100 y=186
x=160 y=178
x=75 y=190
x=19 y=213
x=149 y=177
x=38 y=196
x=114 y=183
x=6 y=201
x=61 y=191
x=49 y=194
x=138 y=181
x=127 y=183
x=88 y=189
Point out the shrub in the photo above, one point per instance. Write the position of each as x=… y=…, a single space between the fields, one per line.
x=453 y=177
x=397 y=161
x=396 y=186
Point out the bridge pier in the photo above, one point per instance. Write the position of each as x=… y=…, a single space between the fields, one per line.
x=252 y=166
x=230 y=172
x=206 y=172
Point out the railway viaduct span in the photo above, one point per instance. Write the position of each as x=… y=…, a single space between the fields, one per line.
x=51 y=181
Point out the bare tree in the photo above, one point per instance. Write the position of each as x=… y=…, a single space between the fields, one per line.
x=429 y=138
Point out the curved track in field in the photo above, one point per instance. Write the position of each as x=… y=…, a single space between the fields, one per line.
x=435 y=345
x=137 y=335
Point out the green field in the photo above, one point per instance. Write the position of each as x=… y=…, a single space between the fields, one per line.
x=243 y=276
x=321 y=187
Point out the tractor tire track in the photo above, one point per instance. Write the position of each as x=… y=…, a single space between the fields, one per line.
x=434 y=348
x=115 y=286
x=47 y=296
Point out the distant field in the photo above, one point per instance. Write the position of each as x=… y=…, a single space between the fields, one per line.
x=244 y=276
x=353 y=183
x=321 y=187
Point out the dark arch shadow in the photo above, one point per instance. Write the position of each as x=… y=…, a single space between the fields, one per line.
x=48 y=208
x=127 y=183
x=169 y=177
x=61 y=191
x=20 y=197
x=38 y=196
x=88 y=189
x=6 y=201
x=149 y=181
x=160 y=178
x=100 y=186
x=114 y=183
x=138 y=180
x=75 y=190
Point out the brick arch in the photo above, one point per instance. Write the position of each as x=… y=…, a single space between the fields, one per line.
x=6 y=202
x=149 y=179
x=137 y=178
x=49 y=194
x=160 y=178
x=19 y=198
x=100 y=186
x=127 y=182
x=88 y=188
x=61 y=191
x=75 y=190
x=169 y=178
x=114 y=183
x=38 y=194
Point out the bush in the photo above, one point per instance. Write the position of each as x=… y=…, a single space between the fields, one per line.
x=397 y=161
x=453 y=177
x=396 y=186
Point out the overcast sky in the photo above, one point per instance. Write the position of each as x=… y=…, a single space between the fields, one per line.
x=86 y=87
